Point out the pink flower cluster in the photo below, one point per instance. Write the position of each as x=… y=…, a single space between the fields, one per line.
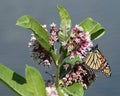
x=79 y=74
x=39 y=54
x=53 y=33
x=80 y=42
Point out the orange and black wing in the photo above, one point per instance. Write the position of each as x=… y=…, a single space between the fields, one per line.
x=96 y=61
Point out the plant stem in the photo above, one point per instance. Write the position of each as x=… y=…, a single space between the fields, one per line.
x=57 y=74
x=58 y=69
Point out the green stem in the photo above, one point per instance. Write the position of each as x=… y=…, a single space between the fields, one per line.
x=57 y=75
x=58 y=69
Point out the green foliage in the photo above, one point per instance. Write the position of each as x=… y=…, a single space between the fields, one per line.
x=65 y=24
x=42 y=36
x=71 y=63
x=61 y=92
x=74 y=90
x=40 y=33
x=14 y=81
x=63 y=71
x=35 y=83
x=94 y=28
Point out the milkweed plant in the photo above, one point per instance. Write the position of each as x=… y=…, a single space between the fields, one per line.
x=66 y=47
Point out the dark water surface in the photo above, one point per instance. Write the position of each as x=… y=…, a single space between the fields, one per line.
x=13 y=40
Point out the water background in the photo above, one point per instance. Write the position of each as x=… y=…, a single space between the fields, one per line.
x=14 y=52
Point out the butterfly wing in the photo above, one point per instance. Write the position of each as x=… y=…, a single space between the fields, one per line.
x=93 y=60
x=105 y=66
x=96 y=61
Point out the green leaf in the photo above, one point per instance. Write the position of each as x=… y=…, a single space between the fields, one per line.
x=35 y=82
x=61 y=92
x=63 y=71
x=65 y=24
x=74 y=90
x=14 y=81
x=71 y=63
x=94 y=28
x=41 y=34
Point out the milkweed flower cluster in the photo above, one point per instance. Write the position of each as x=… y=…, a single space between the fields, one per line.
x=53 y=33
x=39 y=54
x=79 y=44
x=79 y=74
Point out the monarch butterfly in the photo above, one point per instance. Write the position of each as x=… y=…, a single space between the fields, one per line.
x=96 y=61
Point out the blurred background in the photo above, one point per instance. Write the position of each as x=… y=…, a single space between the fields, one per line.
x=14 y=52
